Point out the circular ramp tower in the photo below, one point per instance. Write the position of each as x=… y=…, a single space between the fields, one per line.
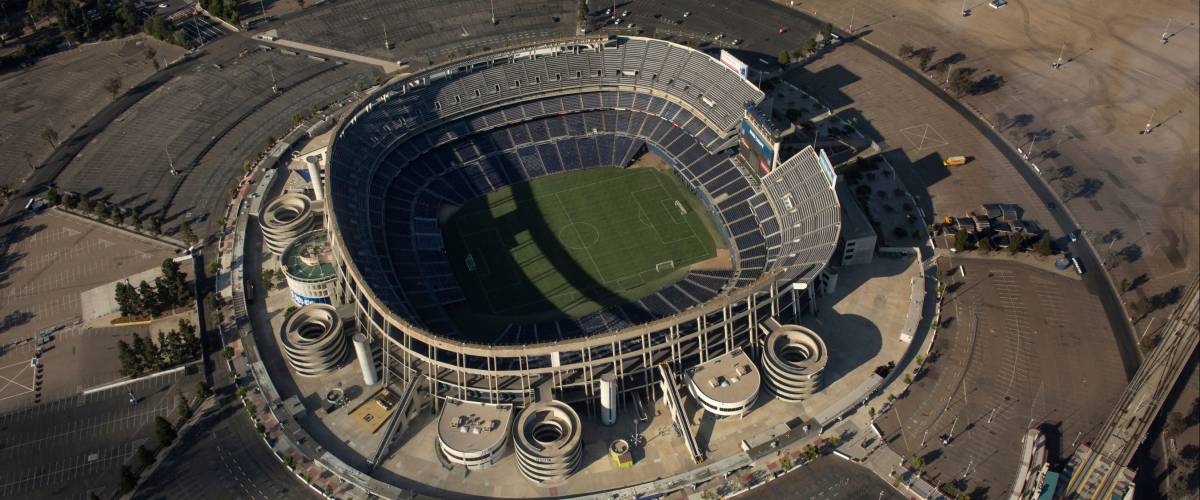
x=313 y=340
x=285 y=218
x=793 y=358
x=548 y=444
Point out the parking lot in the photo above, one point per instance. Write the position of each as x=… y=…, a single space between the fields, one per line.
x=50 y=258
x=63 y=90
x=204 y=123
x=74 y=445
x=1019 y=348
x=445 y=28
x=199 y=30
x=827 y=478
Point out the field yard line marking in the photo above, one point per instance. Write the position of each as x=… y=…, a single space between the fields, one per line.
x=580 y=237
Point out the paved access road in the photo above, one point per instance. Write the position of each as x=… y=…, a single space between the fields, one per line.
x=827 y=478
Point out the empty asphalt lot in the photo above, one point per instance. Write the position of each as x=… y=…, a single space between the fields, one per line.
x=205 y=122
x=827 y=478
x=1020 y=347
x=69 y=447
x=50 y=258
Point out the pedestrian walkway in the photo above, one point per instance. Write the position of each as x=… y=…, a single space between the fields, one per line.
x=389 y=67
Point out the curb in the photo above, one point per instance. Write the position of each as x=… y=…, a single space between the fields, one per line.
x=161 y=240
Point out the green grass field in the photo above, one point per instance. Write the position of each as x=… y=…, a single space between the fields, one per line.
x=576 y=242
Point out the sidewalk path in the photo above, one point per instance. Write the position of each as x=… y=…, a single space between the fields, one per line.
x=271 y=36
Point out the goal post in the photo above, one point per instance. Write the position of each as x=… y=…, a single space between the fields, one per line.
x=666 y=265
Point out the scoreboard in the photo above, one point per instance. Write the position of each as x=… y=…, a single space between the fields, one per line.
x=760 y=142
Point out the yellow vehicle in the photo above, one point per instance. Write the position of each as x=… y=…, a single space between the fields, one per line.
x=955 y=161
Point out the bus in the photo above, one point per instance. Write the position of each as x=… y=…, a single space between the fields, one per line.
x=1078 y=265
x=954 y=161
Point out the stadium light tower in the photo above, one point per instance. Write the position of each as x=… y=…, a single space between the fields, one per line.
x=1058 y=64
x=170 y=161
x=386 y=44
x=1167 y=31
x=1150 y=123
x=493 y=5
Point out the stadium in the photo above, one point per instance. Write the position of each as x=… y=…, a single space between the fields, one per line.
x=539 y=218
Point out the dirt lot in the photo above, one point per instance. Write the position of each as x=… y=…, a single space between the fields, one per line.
x=1117 y=75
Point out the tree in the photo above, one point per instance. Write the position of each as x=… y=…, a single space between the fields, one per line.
x=1015 y=241
x=827 y=31
x=1175 y=424
x=907 y=379
x=1044 y=246
x=164 y=431
x=189 y=342
x=149 y=299
x=150 y=352
x=175 y=281
x=127 y=299
x=139 y=350
x=905 y=51
x=169 y=349
x=128 y=479
x=113 y=86
x=268 y=279
x=155 y=226
x=811 y=452
x=810 y=46
x=871 y=412
x=145 y=456
x=185 y=408
x=961 y=82
x=227 y=353
x=1002 y=120
x=51 y=196
x=50 y=135
x=985 y=244
x=202 y=390
x=151 y=55
x=924 y=57
x=916 y=462
x=130 y=361
x=784 y=58
x=186 y=234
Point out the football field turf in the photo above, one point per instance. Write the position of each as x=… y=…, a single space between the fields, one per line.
x=576 y=242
